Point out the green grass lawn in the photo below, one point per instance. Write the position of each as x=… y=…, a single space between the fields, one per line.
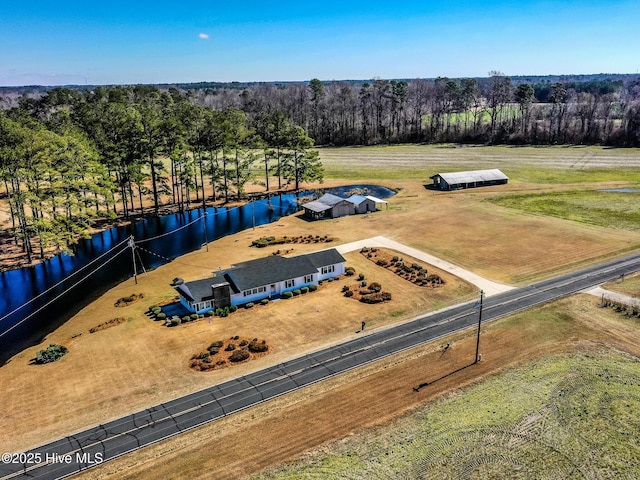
x=566 y=416
x=619 y=210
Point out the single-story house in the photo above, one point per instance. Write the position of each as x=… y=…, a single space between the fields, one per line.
x=332 y=206
x=261 y=278
x=471 y=179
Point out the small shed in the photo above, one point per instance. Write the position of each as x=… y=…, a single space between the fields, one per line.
x=362 y=204
x=328 y=206
x=470 y=179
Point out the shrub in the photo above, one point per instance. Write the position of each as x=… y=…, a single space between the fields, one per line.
x=186 y=318
x=395 y=258
x=287 y=295
x=375 y=286
x=382 y=262
x=52 y=353
x=264 y=301
x=217 y=343
x=254 y=346
x=361 y=276
x=156 y=310
x=213 y=350
x=296 y=292
x=348 y=293
x=350 y=271
x=243 y=343
x=345 y=288
x=204 y=355
x=232 y=308
x=222 y=312
x=175 y=322
x=239 y=356
x=376 y=298
x=313 y=288
x=193 y=316
x=161 y=316
x=304 y=290
x=152 y=307
x=249 y=305
x=230 y=347
x=209 y=313
x=200 y=315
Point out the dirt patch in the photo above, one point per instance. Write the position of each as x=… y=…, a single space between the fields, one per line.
x=126 y=301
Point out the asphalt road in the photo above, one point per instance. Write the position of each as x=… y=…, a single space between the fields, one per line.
x=100 y=443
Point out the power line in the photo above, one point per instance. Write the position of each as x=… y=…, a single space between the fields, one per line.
x=60 y=295
x=62 y=281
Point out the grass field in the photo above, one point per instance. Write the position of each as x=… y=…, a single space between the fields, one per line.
x=562 y=416
x=630 y=286
x=540 y=165
x=140 y=363
x=617 y=210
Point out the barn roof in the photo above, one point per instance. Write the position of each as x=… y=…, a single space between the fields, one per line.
x=356 y=199
x=472 y=176
x=316 y=206
x=330 y=199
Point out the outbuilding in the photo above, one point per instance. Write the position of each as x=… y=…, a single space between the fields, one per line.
x=328 y=206
x=470 y=179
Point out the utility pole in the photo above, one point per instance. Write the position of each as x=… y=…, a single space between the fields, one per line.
x=132 y=246
x=204 y=227
x=479 y=322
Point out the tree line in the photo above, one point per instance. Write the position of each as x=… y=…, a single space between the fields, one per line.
x=71 y=157
x=492 y=110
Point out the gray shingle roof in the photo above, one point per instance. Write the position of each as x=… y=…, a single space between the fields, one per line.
x=274 y=269
x=330 y=199
x=199 y=290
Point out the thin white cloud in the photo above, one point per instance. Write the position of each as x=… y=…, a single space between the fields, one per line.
x=204 y=36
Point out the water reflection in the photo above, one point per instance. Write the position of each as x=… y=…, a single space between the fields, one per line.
x=158 y=245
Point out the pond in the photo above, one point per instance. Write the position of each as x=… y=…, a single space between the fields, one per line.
x=36 y=300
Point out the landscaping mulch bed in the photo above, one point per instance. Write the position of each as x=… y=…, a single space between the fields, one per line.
x=126 y=301
x=412 y=271
x=266 y=241
x=222 y=353
x=111 y=323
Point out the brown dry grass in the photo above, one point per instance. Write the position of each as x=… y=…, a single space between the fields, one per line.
x=141 y=363
x=269 y=434
x=120 y=370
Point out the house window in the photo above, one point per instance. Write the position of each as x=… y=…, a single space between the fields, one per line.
x=289 y=283
x=253 y=291
x=327 y=269
x=308 y=278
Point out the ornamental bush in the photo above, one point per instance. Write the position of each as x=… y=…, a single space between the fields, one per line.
x=175 y=322
x=264 y=301
x=193 y=316
x=304 y=290
x=361 y=276
x=239 y=355
x=186 y=318
x=232 y=308
x=217 y=343
x=313 y=288
x=350 y=271
x=287 y=295
x=249 y=305
x=52 y=353
x=348 y=293
x=296 y=292
x=209 y=313
x=161 y=316
x=258 y=347
x=230 y=347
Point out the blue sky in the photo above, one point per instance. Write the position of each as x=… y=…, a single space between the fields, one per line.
x=127 y=42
